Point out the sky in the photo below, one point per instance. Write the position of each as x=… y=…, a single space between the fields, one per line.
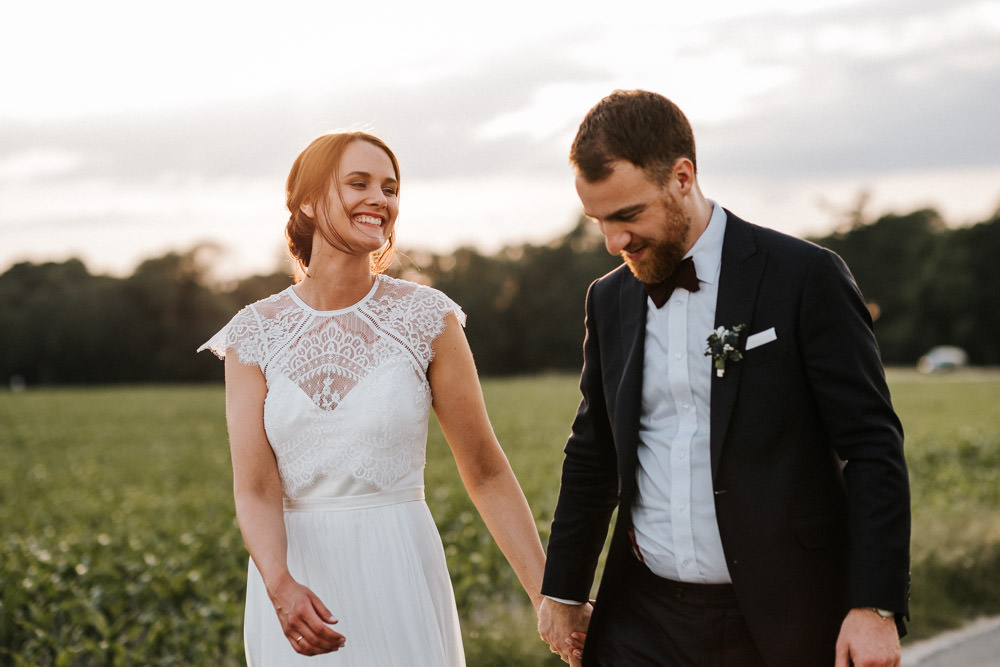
x=130 y=129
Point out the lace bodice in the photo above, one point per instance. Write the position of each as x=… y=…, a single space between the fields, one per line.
x=347 y=398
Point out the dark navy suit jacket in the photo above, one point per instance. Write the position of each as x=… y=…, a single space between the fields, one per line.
x=811 y=487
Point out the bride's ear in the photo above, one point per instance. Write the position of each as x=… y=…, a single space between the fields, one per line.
x=307 y=208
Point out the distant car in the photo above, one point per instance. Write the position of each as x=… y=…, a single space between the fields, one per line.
x=942 y=358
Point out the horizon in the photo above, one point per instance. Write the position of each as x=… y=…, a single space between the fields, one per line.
x=283 y=260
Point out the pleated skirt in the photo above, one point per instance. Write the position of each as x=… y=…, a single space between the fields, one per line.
x=377 y=563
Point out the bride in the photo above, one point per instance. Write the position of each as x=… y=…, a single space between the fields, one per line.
x=329 y=385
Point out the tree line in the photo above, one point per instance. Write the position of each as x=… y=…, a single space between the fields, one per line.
x=930 y=284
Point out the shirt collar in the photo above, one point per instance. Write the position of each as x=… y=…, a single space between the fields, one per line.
x=707 y=250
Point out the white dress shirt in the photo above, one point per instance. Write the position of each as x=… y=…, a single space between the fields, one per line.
x=674 y=513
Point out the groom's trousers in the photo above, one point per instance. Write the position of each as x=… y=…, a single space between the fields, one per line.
x=653 y=622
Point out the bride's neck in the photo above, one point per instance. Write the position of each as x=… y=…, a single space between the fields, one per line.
x=331 y=285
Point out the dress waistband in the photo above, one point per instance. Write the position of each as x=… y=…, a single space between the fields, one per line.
x=362 y=501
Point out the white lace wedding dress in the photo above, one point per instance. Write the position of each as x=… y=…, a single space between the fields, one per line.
x=346 y=414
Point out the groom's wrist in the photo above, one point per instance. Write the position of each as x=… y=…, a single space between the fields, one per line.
x=575 y=603
x=885 y=614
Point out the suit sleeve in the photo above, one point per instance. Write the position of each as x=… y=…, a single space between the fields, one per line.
x=589 y=490
x=845 y=373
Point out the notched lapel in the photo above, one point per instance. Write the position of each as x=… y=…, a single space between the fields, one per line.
x=632 y=301
x=632 y=304
x=739 y=280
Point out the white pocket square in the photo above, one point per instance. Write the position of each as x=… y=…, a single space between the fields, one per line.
x=761 y=338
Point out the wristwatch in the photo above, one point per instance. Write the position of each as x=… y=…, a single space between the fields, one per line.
x=884 y=613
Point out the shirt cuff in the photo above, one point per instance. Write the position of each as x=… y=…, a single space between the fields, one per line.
x=572 y=602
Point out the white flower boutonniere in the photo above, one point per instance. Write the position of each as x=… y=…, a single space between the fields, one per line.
x=722 y=347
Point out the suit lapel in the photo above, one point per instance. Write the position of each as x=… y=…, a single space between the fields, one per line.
x=739 y=279
x=632 y=301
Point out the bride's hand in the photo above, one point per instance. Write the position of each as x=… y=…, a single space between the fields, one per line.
x=304 y=619
x=576 y=640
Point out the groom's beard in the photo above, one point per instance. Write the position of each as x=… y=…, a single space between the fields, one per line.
x=662 y=255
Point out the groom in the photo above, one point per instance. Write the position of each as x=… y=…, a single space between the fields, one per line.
x=762 y=493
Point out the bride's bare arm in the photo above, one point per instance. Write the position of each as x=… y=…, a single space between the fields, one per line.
x=485 y=471
x=258 y=499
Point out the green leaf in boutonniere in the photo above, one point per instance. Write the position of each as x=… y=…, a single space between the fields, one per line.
x=722 y=347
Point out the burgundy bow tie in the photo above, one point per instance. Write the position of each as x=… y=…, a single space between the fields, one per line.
x=683 y=276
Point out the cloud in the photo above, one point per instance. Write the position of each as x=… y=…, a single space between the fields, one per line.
x=870 y=105
x=857 y=85
x=151 y=177
x=800 y=97
x=437 y=124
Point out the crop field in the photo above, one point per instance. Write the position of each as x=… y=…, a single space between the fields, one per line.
x=118 y=544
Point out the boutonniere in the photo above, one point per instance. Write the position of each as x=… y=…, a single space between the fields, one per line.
x=722 y=347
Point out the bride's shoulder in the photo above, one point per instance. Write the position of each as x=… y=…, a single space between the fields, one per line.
x=401 y=288
x=271 y=306
x=414 y=297
x=248 y=329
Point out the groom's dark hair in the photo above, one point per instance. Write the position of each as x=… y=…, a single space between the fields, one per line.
x=642 y=127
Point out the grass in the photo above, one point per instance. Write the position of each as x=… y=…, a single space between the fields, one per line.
x=119 y=544
x=952 y=426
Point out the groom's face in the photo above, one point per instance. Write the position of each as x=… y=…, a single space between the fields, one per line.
x=640 y=219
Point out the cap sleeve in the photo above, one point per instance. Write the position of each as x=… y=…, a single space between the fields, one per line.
x=436 y=306
x=445 y=306
x=244 y=334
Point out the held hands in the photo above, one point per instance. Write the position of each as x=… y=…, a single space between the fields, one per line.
x=304 y=618
x=563 y=627
x=867 y=640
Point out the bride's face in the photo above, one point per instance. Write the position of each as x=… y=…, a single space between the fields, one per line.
x=363 y=200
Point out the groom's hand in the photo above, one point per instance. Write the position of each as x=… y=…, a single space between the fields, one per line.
x=558 y=621
x=867 y=640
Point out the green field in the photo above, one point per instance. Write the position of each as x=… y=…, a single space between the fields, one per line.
x=119 y=546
